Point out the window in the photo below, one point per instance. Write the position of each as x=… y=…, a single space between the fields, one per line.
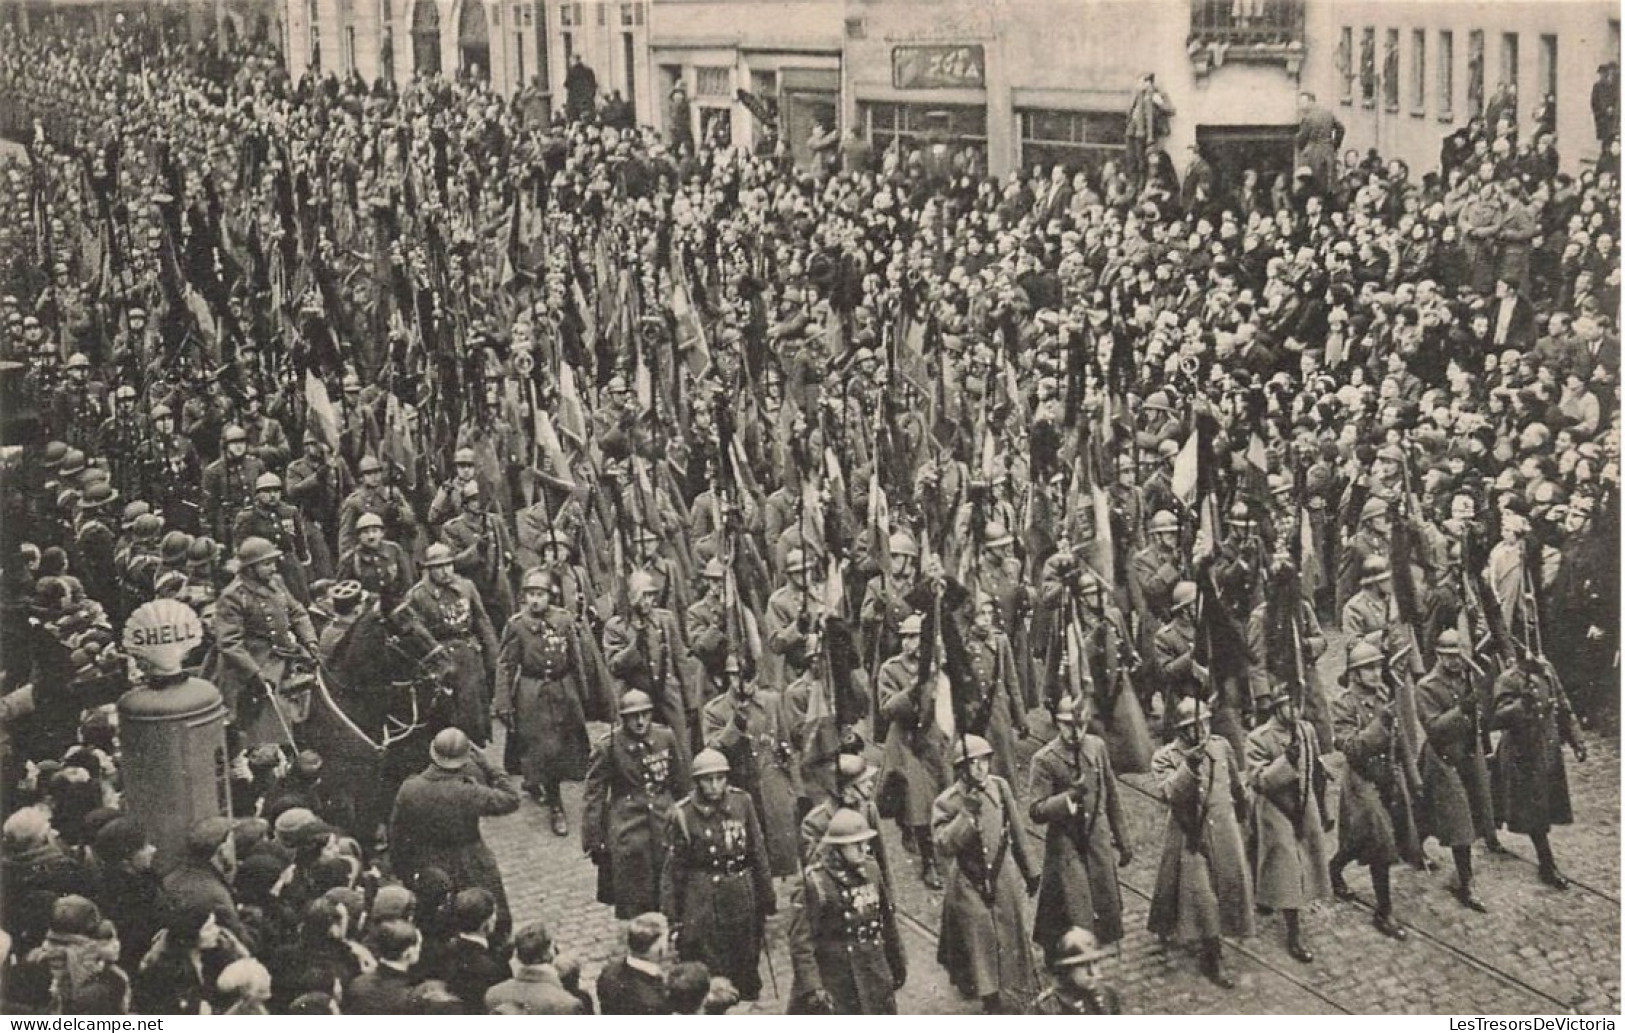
x=386 y=54
x=1475 y=73
x=1446 y=60
x=315 y=36
x=1546 y=103
x=1419 y=71
x=631 y=15
x=711 y=82
x=764 y=83
x=1247 y=22
x=600 y=9
x=568 y=39
x=1345 y=65
x=519 y=55
x=1368 y=67
x=570 y=16
x=1075 y=139
x=349 y=48
x=1390 y=70
x=1509 y=58
x=911 y=122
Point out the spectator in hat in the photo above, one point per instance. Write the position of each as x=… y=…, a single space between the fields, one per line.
x=33 y=861
x=80 y=952
x=127 y=889
x=203 y=877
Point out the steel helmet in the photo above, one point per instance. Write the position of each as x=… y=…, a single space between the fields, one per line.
x=715 y=569
x=1449 y=642
x=1374 y=569
x=146 y=525
x=233 y=433
x=535 y=578
x=795 y=561
x=437 y=555
x=162 y=412
x=1373 y=509
x=55 y=452
x=133 y=510
x=912 y=626
x=1162 y=521
x=1076 y=947
x=1071 y=709
x=996 y=535
x=1189 y=711
x=635 y=701
x=450 y=749
x=1364 y=654
x=367 y=520
x=256 y=550
x=268 y=482
x=970 y=747
x=175 y=547
x=640 y=582
x=1184 y=594
x=900 y=544
x=78 y=360
x=1157 y=402
x=470 y=489
x=370 y=464
x=464 y=457
x=847 y=826
x=709 y=762
x=850 y=766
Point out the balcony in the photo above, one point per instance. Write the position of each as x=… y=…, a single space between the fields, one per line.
x=1250 y=31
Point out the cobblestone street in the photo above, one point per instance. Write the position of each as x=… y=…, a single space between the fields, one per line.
x=1537 y=951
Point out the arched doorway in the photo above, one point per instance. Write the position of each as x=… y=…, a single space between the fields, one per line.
x=426 y=37
x=474 y=40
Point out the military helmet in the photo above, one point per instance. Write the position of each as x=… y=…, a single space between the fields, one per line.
x=464 y=457
x=1162 y=521
x=268 y=482
x=233 y=433
x=709 y=762
x=900 y=544
x=1364 y=654
x=715 y=569
x=1374 y=569
x=450 y=749
x=635 y=701
x=1184 y=594
x=1373 y=509
x=970 y=747
x=1189 y=711
x=367 y=520
x=996 y=536
x=535 y=578
x=847 y=826
x=438 y=555
x=256 y=550
x=146 y=525
x=911 y=627
x=370 y=464
x=1076 y=947
x=1449 y=642
x=175 y=547
x=795 y=561
x=78 y=360
x=55 y=452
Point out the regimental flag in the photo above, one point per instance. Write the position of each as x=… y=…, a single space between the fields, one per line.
x=691 y=344
x=572 y=414
x=1184 y=477
x=321 y=413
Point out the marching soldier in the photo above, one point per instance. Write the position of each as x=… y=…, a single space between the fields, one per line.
x=792 y=611
x=267 y=441
x=977 y=827
x=262 y=635
x=844 y=944
x=914 y=760
x=1371 y=538
x=1375 y=788
x=228 y=483
x=386 y=500
x=1074 y=796
x=541 y=696
x=94 y=544
x=318 y=484
x=448 y=499
x=633 y=777
x=996 y=712
x=746 y=724
x=280 y=524
x=716 y=887
x=1154 y=571
x=450 y=609
x=854 y=790
x=481 y=550
x=1290 y=820
x=1531 y=783
x=707 y=624
x=643 y=649
x=382 y=567
x=79 y=404
x=1175 y=646
x=884 y=608
x=1455 y=778
x=1076 y=989
x=1204 y=890
x=1368 y=615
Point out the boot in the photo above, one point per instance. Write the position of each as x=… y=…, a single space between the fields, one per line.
x=561 y=827
x=1383 y=920
x=1463 y=856
x=1340 y=886
x=1213 y=965
x=1294 y=938
x=1548 y=862
x=1384 y=923
x=909 y=845
x=928 y=864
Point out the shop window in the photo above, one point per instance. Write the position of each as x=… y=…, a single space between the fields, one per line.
x=711 y=82
x=1075 y=139
x=911 y=123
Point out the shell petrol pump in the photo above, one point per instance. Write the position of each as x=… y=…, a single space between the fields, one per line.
x=173 y=731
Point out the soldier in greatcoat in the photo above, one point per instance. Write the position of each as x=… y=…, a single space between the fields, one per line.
x=280 y=524
x=540 y=695
x=914 y=768
x=450 y=608
x=1290 y=820
x=1073 y=793
x=633 y=778
x=228 y=483
x=1375 y=786
x=997 y=712
x=716 y=887
x=984 y=943
x=381 y=566
x=259 y=628
x=746 y=724
x=481 y=550
x=645 y=650
x=436 y=822
x=1531 y=783
x=854 y=790
x=1455 y=778
x=1204 y=889
x=845 y=948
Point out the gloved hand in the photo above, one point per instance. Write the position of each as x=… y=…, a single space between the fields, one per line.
x=741 y=720
x=1125 y=855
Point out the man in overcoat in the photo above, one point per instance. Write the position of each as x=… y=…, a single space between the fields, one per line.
x=633 y=779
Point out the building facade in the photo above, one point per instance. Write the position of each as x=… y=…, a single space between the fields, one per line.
x=1024 y=82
